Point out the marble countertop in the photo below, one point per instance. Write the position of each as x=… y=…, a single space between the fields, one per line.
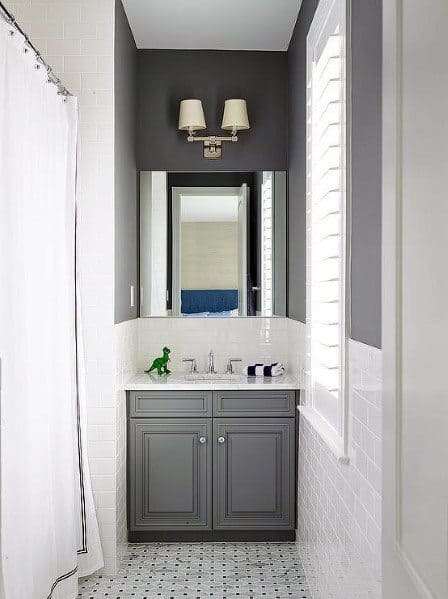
x=179 y=382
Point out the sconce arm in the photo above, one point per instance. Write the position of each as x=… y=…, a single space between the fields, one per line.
x=213 y=138
x=212 y=144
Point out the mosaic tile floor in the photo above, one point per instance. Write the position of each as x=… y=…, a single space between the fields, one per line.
x=198 y=570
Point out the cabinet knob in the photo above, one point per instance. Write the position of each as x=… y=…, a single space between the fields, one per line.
x=202 y=440
x=221 y=439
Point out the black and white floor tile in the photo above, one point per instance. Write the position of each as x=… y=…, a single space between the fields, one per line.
x=199 y=570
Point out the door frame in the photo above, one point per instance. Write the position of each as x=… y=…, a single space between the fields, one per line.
x=402 y=578
x=176 y=194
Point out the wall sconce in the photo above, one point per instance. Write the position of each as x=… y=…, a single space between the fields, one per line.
x=234 y=119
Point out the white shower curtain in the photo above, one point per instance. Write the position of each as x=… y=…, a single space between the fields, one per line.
x=49 y=533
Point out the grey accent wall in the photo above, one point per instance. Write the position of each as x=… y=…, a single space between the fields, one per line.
x=366 y=171
x=366 y=168
x=167 y=76
x=126 y=223
x=297 y=163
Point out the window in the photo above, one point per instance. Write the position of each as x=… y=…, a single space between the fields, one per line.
x=326 y=217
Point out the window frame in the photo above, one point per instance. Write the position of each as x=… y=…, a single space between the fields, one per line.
x=338 y=440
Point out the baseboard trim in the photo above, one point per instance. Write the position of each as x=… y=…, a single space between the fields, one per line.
x=210 y=536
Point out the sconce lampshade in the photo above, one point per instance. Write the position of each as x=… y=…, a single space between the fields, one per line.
x=235 y=116
x=191 y=115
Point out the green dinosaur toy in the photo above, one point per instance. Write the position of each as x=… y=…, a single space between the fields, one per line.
x=161 y=364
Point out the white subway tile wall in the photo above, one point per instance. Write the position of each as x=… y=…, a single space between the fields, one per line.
x=339 y=506
x=296 y=345
x=126 y=344
x=264 y=340
x=77 y=39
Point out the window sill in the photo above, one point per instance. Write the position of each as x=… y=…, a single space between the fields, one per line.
x=334 y=441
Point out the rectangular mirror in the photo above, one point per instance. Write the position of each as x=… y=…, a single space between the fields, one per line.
x=212 y=244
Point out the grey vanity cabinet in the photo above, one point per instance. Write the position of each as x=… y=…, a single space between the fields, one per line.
x=254 y=474
x=221 y=461
x=170 y=475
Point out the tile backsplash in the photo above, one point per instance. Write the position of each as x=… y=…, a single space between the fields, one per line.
x=296 y=351
x=264 y=340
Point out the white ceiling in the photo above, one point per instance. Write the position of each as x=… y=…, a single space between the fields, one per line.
x=212 y=24
x=208 y=209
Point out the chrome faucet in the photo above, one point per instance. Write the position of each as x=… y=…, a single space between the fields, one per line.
x=229 y=367
x=193 y=365
x=211 y=363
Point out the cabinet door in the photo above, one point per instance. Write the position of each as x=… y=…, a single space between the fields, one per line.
x=169 y=474
x=254 y=473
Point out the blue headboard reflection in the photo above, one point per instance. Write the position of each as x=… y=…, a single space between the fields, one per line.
x=194 y=301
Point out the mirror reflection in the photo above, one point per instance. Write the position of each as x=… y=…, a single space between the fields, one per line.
x=212 y=244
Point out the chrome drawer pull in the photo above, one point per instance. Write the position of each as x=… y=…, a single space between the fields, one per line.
x=221 y=439
x=202 y=440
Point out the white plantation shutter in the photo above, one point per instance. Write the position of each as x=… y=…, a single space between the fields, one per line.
x=326 y=213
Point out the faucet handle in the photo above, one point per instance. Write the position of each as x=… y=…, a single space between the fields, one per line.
x=193 y=364
x=230 y=361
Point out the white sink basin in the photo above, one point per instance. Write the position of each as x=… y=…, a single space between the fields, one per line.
x=210 y=378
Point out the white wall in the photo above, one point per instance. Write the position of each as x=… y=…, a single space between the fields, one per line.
x=153 y=243
x=209 y=255
x=77 y=38
x=339 y=505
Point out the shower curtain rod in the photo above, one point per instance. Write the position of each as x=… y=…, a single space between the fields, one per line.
x=52 y=77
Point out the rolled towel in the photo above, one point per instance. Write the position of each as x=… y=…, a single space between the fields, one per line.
x=255 y=370
x=275 y=369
